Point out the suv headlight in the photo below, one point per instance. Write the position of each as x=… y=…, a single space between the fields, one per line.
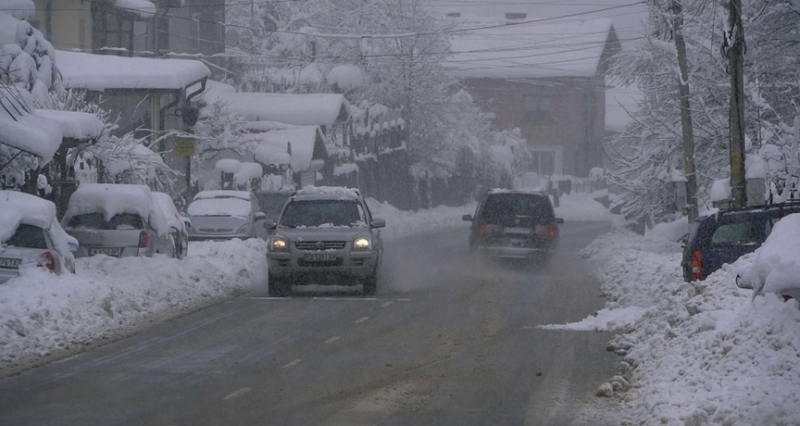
x=279 y=244
x=244 y=229
x=361 y=243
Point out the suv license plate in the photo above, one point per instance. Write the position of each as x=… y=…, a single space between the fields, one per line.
x=108 y=251
x=7 y=262
x=512 y=230
x=320 y=257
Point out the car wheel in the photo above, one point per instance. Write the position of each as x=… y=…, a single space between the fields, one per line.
x=371 y=284
x=277 y=287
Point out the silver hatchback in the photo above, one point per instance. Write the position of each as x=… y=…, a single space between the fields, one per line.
x=118 y=220
x=325 y=235
x=224 y=215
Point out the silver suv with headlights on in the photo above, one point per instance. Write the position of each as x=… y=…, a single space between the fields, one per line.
x=325 y=235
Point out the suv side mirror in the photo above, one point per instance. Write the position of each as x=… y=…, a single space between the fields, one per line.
x=467 y=217
x=270 y=225
x=559 y=221
x=378 y=223
x=261 y=216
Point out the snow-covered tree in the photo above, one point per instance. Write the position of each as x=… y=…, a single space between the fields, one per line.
x=647 y=151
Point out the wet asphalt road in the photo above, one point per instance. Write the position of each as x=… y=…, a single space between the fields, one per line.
x=448 y=340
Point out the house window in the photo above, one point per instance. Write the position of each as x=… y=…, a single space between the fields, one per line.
x=538 y=104
x=543 y=162
x=195 y=31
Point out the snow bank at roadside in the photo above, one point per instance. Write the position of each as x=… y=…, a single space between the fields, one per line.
x=43 y=314
x=701 y=353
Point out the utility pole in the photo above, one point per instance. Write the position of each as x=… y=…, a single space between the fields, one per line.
x=734 y=48
x=686 y=113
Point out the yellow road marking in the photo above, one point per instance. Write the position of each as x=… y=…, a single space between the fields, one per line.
x=237 y=393
x=293 y=363
x=331 y=340
x=362 y=319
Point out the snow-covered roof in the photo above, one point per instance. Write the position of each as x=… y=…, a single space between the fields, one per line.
x=76 y=125
x=109 y=199
x=247 y=171
x=142 y=8
x=19 y=9
x=528 y=49
x=107 y=72
x=301 y=110
x=228 y=165
x=303 y=141
x=23 y=128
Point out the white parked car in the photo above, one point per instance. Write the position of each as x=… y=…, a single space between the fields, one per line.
x=30 y=236
x=118 y=220
x=776 y=268
x=225 y=214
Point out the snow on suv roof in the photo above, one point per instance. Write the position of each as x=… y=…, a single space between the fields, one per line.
x=327 y=193
x=536 y=191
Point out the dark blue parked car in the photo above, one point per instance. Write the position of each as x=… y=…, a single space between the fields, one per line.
x=725 y=236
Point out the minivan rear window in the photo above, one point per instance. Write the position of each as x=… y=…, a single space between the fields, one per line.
x=504 y=208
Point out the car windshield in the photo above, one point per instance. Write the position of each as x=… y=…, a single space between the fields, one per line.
x=508 y=208
x=119 y=222
x=322 y=213
x=27 y=236
x=220 y=207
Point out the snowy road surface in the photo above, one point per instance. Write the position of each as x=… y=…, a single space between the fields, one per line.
x=447 y=340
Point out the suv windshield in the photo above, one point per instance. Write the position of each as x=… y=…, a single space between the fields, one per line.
x=27 y=236
x=511 y=209
x=120 y=222
x=322 y=213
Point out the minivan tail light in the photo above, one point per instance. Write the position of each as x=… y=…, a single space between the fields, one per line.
x=487 y=230
x=144 y=239
x=697 y=266
x=550 y=231
x=47 y=260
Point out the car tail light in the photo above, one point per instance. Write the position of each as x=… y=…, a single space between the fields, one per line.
x=697 y=266
x=485 y=230
x=144 y=239
x=47 y=260
x=550 y=231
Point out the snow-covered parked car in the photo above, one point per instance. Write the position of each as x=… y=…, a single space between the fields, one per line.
x=225 y=214
x=178 y=224
x=118 y=220
x=776 y=267
x=30 y=236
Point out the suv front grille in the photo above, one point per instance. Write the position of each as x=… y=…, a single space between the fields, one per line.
x=320 y=245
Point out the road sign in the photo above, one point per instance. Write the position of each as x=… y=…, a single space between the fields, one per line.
x=185 y=146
